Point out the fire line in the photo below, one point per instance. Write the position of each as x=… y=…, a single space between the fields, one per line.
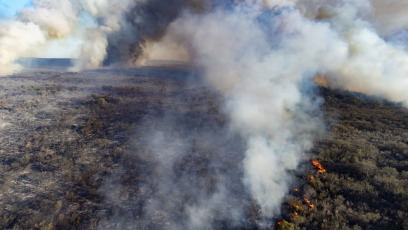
x=319 y=167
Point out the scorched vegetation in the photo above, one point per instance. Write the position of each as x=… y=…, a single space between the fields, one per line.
x=365 y=181
x=152 y=150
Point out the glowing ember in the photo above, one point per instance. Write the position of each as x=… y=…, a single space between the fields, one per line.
x=294 y=216
x=280 y=223
x=319 y=167
x=308 y=202
x=296 y=190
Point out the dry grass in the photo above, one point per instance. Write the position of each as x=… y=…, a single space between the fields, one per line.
x=66 y=139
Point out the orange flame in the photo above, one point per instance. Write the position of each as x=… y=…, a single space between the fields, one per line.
x=280 y=223
x=319 y=167
x=294 y=216
x=296 y=190
x=308 y=202
x=298 y=207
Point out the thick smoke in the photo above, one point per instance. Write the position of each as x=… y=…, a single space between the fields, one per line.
x=118 y=34
x=109 y=19
x=146 y=21
x=261 y=56
x=262 y=70
x=33 y=28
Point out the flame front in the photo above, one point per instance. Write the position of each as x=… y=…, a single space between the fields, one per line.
x=308 y=202
x=319 y=167
x=297 y=207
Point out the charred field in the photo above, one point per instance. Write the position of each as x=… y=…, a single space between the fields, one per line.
x=89 y=150
x=150 y=148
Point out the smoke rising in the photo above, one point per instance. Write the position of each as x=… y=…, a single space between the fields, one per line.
x=34 y=26
x=263 y=84
x=261 y=56
x=13 y=36
x=371 y=65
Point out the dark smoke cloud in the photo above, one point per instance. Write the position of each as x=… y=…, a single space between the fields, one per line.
x=148 y=21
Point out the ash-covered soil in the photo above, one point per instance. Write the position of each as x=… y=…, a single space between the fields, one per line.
x=150 y=148
x=142 y=148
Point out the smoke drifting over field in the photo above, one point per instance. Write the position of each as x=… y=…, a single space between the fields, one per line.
x=262 y=56
x=360 y=57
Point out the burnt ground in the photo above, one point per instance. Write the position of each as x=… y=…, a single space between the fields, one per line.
x=150 y=148
x=142 y=148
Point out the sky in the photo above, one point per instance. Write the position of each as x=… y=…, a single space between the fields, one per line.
x=65 y=48
x=8 y=8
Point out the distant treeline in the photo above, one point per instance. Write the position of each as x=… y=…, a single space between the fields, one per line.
x=46 y=62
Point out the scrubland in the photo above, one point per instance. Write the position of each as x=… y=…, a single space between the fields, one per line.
x=152 y=149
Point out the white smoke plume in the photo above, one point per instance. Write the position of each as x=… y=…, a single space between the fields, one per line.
x=261 y=56
x=263 y=62
x=371 y=65
x=14 y=44
x=45 y=21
